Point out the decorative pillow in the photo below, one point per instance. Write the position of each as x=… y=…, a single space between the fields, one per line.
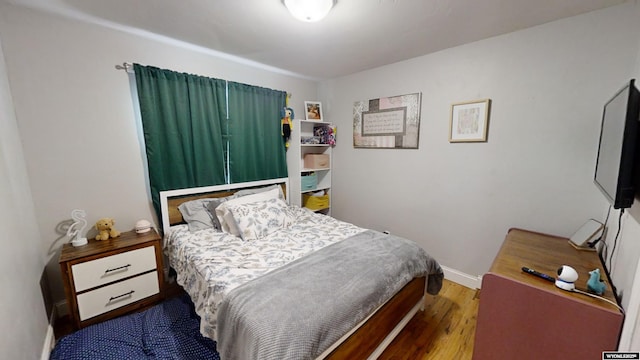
x=259 y=219
x=211 y=207
x=226 y=218
x=196 y=215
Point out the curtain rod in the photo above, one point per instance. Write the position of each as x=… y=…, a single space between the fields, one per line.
x=128 y=67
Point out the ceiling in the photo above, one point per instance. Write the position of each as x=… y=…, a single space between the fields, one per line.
x=356 y=35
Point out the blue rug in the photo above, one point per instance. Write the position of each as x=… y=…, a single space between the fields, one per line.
x=169 y=330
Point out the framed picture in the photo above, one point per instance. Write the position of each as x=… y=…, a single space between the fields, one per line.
x=469 y=121
x=387 y=122
x=313 y=109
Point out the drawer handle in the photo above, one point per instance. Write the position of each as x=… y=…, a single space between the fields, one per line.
x=125 y=267
x=121 y=296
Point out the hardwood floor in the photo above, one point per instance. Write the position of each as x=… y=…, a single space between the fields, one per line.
x=444 y=330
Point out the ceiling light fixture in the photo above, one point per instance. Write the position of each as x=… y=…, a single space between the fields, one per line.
x=309 y=10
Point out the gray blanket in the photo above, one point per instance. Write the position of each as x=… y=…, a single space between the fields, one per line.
x=299 y=310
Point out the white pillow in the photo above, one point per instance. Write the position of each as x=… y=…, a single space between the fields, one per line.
x=226 y=218
x=259 y=219
x=252 y=191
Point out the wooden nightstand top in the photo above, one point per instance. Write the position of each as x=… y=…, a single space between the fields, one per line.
x=94 y=247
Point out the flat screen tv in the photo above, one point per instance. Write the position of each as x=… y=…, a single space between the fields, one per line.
x=617 y=167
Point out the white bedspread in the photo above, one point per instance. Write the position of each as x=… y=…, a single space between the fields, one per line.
x=210 y=264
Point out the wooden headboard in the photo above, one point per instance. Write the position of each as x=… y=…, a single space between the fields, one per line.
x=171 y=199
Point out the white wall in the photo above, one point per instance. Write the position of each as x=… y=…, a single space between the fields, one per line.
x=547 y=86
x=22 y=312
x=75 y=115
x=627 y=254
x=625 y=271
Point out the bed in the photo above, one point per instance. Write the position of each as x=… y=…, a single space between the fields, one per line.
x=273 y=281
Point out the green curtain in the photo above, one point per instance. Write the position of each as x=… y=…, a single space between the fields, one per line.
x=256 y=147
x=182 y=119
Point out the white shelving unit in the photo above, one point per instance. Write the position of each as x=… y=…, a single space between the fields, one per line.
x=303 y=129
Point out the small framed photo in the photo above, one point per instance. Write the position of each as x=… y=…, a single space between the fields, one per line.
x=313 y=109
x=469 y=121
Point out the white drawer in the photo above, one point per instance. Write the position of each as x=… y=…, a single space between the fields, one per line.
x=102 y=271
x=105 y=299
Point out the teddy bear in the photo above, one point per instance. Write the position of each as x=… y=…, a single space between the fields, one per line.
x=105 y=227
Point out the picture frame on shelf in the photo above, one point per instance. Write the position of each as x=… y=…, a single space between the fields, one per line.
x=313 y=110
x=469 y=121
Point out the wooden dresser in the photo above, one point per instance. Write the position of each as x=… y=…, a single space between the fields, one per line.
x=109 y=278
x=522 y=316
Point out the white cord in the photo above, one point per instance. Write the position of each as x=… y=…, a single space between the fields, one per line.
x=599 y=297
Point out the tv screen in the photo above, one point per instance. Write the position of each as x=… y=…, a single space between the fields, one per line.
x=616 y=165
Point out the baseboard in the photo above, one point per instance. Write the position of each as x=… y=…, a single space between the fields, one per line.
x=50 y=337
x=472 y=282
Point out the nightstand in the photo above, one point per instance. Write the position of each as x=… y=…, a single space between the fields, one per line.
x=106 y=279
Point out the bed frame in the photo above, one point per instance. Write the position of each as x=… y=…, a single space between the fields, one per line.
x=372 y=335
